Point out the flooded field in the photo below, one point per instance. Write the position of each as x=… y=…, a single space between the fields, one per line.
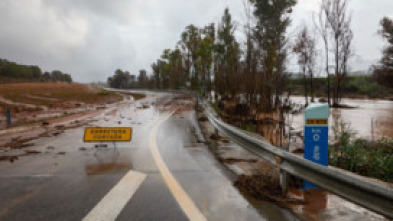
x=368 y=118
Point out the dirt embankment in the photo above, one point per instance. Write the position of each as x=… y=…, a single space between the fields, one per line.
x=33 y=102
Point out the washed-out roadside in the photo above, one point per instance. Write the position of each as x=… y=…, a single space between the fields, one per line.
x=56 y=119
x=32 y=102
x=258 y=180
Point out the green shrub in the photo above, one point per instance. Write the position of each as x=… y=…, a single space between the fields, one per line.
x=373 y=159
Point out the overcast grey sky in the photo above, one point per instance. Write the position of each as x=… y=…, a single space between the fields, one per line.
x=92 y=38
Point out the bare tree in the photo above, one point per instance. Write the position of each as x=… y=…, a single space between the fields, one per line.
x=339 y=21
x=383 y=72
x=312 y=55
x=346 y=53
x=322 y=26
x=305 y=49
x=250 y=80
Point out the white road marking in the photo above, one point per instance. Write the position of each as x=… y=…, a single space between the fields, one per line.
x=114 y=201
x=182 y=198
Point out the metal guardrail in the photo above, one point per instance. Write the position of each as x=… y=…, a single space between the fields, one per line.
x=364 y=193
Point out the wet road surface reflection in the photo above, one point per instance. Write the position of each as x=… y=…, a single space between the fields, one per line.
x=323 y=206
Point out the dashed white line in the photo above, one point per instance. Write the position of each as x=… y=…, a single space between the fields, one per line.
x=114 y=201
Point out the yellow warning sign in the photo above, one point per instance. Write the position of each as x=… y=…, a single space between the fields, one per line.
x=317 y=121
x=107 y=134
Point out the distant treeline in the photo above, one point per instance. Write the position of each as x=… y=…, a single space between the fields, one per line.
x=354 y=86
x=126 y=80
x=11 y=70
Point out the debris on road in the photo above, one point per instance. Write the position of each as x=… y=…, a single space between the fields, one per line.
x=264 y=187
x=215 y=136
x=9 y=158
x=19 y=143
x=32 y=152
x=235 y=160
x=202 y=119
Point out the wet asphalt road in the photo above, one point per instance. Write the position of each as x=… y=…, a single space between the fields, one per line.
x=70 y=179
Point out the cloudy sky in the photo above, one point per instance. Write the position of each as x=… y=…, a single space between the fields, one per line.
x=92 y=38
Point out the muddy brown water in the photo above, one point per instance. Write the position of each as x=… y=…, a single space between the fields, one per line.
x=102 y=168
x=365 y=113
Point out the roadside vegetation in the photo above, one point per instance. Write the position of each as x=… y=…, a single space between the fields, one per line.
x=364 y=157
x=248 y=82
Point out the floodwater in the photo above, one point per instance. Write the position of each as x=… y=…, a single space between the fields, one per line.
x=369 y=119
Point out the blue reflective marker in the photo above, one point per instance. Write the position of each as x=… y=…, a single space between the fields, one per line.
x=316 y=136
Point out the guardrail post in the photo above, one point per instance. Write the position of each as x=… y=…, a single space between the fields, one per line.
x=215 y=131
x=283 y=180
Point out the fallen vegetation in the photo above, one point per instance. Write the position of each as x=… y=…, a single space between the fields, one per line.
x=235 y=160
x=264 y=187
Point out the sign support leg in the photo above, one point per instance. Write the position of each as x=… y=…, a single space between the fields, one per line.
x=115 y=148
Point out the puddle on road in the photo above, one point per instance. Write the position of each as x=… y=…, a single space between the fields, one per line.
x=108 y=163
x=315 y=200
x=103 y=168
